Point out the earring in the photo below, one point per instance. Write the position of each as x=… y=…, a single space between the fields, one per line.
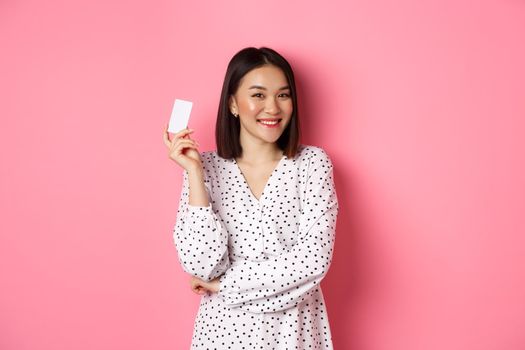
x=235 y=115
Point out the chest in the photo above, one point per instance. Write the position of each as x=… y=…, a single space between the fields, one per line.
x=259 y=207
x=257 y=177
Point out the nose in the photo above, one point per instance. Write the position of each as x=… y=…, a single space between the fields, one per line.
x=272 y=107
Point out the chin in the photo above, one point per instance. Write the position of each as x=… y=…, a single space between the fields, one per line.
x=272 y=140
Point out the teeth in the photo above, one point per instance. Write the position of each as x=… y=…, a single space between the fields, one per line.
x=268 y=123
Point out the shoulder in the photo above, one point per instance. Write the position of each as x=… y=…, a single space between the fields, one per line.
x=207 y=156
x=315 y=156
x=210 y=159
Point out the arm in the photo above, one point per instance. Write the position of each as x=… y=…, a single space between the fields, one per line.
x=285 y=280
x=200 y=239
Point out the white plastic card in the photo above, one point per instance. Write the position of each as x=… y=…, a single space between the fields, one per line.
x=180 y=115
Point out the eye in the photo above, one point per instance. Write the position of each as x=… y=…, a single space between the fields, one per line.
x=257 y=95
x=285 y=95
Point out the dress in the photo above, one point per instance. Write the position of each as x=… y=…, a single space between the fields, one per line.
x=271 y=253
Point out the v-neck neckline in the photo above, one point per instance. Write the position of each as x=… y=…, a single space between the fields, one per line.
x=266 y=185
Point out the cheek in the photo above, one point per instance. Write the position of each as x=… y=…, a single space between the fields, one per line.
x=287 y=107
x=250 y=106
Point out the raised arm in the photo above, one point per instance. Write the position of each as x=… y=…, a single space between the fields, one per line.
x=285 y=280
x=200 y=239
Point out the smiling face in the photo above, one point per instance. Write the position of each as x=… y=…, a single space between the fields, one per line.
x=263 y=93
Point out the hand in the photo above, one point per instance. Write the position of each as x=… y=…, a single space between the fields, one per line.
x=182 y=149
x=200 y=287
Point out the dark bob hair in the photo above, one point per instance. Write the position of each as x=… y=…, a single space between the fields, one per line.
x=227 y=128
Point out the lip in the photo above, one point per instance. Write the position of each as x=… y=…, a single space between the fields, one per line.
x=269 y=120
x=270 y=126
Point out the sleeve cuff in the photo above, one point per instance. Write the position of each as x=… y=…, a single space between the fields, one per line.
x=226 y=285
x=227 y=282
x=222 y=285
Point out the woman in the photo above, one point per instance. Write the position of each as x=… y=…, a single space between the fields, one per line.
x=256 y=220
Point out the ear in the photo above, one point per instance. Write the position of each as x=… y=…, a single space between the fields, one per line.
x=232 y=104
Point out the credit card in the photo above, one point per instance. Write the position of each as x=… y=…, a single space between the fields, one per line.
x=180 y=115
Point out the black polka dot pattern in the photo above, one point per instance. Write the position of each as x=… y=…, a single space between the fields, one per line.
x=271 y=253
x=200 y=238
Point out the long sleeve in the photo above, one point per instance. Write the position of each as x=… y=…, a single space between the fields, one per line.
x=200 y=238
x=285 y=280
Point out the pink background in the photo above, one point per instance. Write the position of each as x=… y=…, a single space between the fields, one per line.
x=420 y=104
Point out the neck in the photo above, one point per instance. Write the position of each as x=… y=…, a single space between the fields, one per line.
x=260 y=154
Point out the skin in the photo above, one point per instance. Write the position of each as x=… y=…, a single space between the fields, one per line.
x=269 y=99
x=258 y=142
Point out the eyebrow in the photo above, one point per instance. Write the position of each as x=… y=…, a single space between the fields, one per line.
x=263 y=88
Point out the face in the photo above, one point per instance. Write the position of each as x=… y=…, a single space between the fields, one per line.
x=263 y=93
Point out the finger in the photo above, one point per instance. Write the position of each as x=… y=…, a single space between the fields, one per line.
x=190 y=142
x=178 y=149
x=185 y=141
x=187 y=136
x=175 y=139
x=166 y=138
x=178 y=146
x=177 y=142
x=198 y=289
x=178 y=152
x=178 y=134
x=183 y=132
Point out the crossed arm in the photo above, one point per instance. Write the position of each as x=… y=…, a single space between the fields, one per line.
x=275 y=284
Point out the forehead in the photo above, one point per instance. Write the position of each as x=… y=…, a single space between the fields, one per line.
x=268 y=76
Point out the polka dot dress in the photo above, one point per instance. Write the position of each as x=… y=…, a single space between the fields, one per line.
x=271 y=253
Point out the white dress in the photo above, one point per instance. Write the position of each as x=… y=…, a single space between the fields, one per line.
x=271 y=253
